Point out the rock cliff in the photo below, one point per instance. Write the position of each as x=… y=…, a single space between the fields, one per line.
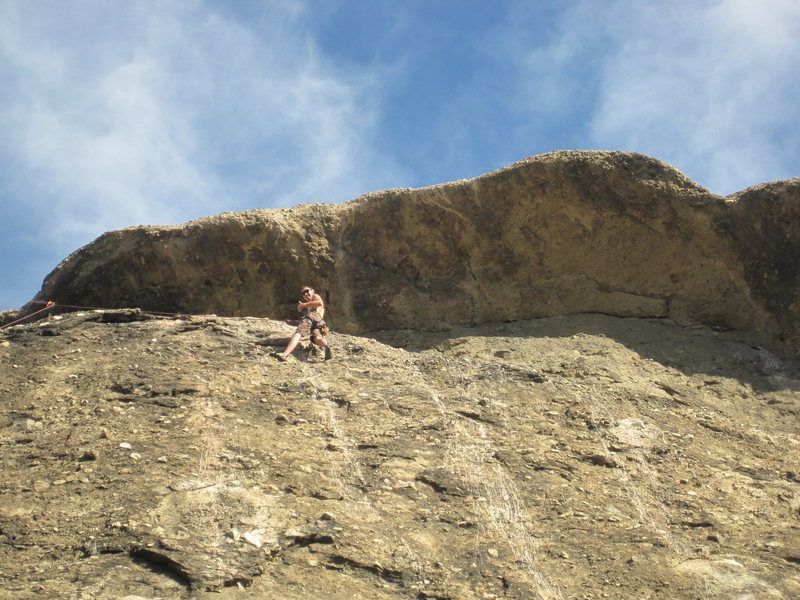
x=572 y=378
x=561 y=233
x=580 y=457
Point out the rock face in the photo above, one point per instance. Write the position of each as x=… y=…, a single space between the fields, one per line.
x=568 y=457
x=561 y=233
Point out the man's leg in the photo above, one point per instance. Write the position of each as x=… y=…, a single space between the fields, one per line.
x=293 y=341
x=322 y=343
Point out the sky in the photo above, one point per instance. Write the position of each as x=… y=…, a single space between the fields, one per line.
x=155 y=112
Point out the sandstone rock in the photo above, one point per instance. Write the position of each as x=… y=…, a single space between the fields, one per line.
x=539 y=458
x=41 y=485
x=17 y=511
x=454 y=475
x=560 y=233
x=253 y=538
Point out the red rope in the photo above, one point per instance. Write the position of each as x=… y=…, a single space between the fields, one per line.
x=150 y=312
x=49 y=306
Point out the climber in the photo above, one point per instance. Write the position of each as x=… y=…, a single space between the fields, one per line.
x=312 y=324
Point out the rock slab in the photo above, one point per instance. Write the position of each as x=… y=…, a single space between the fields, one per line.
x=567 y=457
x=560 y=233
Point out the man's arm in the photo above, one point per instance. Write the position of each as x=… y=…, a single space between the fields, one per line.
x=315 y=302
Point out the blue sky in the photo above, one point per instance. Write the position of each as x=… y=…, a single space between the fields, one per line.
x=120 y=113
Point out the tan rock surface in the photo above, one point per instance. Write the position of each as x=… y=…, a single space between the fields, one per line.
x=568 y=457
x=520 y=448
x=561 y=233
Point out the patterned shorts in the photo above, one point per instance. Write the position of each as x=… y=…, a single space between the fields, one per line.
x=308 y=323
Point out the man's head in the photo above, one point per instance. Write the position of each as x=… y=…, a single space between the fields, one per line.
x=307 y=291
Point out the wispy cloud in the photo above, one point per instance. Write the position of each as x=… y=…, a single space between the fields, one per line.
x=150 y=112
x=120 y=113
x=707 y=86
x=185 y=113
x=112 y=152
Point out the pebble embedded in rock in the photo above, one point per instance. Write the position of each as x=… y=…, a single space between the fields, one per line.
x=253 y=538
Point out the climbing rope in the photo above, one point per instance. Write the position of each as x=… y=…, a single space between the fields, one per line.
x=50 y=305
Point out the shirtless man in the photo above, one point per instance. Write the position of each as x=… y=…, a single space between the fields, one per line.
x=309 y=325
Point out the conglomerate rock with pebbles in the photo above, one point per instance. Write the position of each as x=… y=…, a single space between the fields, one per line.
x=585 y=456
x=483 y=430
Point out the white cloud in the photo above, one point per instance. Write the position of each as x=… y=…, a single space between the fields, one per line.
x=123 y=113
x=156 y=112
x=707 y=86
x=113 y=152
